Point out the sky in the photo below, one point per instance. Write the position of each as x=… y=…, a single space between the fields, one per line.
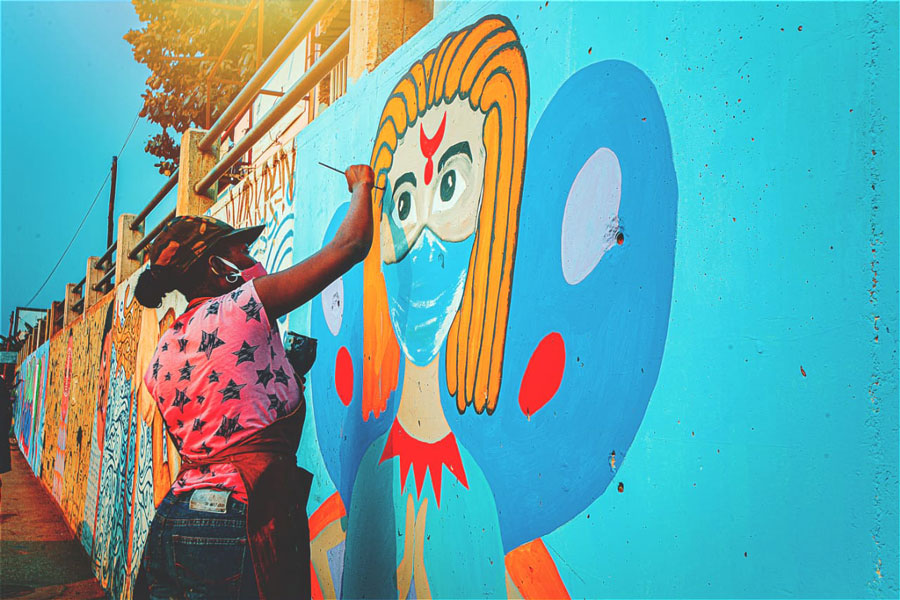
x=70 y=91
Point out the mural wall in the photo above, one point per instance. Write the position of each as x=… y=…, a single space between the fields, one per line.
x=576 y=338
x=666 y=233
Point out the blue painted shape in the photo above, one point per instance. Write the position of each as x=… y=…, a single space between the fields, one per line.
x=424 y=289
x=343 y=434
x=336 y=566
x=545 y=470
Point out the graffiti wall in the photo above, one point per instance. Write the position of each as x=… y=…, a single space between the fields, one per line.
x=575 y=338
x=29 y=413
x=627 y=327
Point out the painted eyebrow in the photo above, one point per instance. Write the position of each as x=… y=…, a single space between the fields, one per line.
x=405 y=178
x=460 y=148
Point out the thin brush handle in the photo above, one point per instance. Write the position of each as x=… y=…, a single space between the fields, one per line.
x=336 y=170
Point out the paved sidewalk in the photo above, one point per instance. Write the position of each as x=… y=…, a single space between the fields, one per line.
x=39 y=558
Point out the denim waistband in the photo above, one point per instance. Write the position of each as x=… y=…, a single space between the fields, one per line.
x=184 y=498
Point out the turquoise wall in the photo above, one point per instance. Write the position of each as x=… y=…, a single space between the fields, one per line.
x=765 y=464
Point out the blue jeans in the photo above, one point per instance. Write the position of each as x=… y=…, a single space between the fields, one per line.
x=197 y=553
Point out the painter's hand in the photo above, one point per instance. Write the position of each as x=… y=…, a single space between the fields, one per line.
x=359 y=175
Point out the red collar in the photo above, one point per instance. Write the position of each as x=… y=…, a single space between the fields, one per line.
x=424 y=456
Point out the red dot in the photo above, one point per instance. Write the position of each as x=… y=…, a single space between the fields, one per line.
x=343 y=376
x=543 y=375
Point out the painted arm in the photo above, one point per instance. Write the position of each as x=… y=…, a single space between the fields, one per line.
x=284 y=291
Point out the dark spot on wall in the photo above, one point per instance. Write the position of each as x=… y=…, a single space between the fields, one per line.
x=621 y=487
x=620 y=238
x=590 y=49
x=802 y=371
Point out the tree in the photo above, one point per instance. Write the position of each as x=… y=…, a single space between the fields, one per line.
x=181 y=42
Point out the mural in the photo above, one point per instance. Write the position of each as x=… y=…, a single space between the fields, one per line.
x=86 y=342
x=480 y=421
x=442 y=379
x=29 y=417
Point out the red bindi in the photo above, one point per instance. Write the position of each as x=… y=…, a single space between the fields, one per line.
x=429 y=146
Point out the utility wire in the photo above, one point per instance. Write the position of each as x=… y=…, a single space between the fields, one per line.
x=84 y=218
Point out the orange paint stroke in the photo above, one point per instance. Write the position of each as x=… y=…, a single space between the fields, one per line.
x=330 y=511
x=532 y=569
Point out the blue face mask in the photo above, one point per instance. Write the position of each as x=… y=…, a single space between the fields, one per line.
x=424 y=291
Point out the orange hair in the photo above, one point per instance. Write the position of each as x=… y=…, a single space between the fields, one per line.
x=485 y=64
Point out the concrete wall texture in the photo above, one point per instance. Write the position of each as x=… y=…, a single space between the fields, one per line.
x=628 y=327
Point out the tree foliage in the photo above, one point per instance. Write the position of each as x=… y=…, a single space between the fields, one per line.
x=181 y=41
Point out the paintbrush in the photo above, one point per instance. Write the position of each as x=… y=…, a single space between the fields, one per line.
x=335 y=169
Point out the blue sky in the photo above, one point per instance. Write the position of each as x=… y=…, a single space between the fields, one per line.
x=70 y=90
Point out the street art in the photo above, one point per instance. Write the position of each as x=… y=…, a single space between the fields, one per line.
x=452 y=396
x=86 y=341
x=56 y=361
x=29 y=425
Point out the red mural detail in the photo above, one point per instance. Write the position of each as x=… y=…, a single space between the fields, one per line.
x=343 y=376
x=429 y=146
x=543 y=375
x=424 y=456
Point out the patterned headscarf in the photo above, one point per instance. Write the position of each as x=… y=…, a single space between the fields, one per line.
x=185 y=239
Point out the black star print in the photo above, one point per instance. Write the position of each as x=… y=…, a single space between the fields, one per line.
x=277 y=405
x=162 y=400
x=200 y=399
x=204 y=469
x=180 y=400
x=281 y=376
x=156 y=368
x=231 y=391
x=198 y=425
x=164 y=347
x=181 y=481
x=236 y=294
x=205 y=448
x=186 y=371
x=214 y=377
x=212 y=308
x=252 y=309
x=264 y=376
x=182 y=344
x=245 y=354
x=209 y=342
x=168 y=377
x=178 y=326
x=229 y=427
x=180 y=423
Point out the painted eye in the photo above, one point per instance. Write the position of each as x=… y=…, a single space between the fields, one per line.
x=450 y=188
x=403 y=205
x=448 y=185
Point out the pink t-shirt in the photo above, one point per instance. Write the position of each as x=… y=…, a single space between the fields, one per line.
x=219 y=374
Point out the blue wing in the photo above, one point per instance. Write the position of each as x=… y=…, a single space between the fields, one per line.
x=546 y=469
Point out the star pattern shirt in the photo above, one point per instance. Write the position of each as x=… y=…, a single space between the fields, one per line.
x=219 y=374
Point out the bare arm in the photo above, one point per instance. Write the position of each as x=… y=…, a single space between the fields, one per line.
x=284 y=291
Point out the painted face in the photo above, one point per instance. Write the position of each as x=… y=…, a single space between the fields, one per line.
x=428 y=220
